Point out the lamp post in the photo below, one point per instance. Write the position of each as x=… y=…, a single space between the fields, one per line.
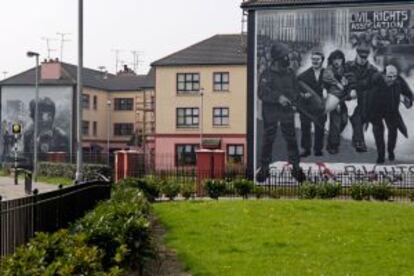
x=79 y=95
x=108 y=127
x=201 y=116
x=36 y=115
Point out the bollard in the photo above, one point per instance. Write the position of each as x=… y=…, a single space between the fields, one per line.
x=16 y=177
x=28 y=182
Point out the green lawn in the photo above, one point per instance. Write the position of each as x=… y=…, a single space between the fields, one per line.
x=271 y=237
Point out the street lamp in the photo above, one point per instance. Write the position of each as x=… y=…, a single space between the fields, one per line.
x=108 y=128
x=79 y=106
x=201 y=116
x=36 y=117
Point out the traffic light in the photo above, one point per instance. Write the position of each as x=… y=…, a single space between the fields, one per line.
x=16 y=128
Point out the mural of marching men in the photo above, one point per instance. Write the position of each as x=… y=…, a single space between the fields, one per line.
x=336 y=69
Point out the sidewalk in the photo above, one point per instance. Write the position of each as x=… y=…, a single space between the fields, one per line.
x=10 y=191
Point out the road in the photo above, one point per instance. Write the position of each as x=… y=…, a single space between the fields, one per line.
x=10 y=191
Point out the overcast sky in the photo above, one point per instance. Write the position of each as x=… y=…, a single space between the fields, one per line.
x=155 y=27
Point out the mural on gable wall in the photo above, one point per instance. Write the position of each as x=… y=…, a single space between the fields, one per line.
x=334 y=91
x=55 y=117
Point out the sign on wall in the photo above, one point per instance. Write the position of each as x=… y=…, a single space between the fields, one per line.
x=334 y=90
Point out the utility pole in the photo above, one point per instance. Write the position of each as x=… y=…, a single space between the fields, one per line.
x=48 y=47
x=62 y=42
x=79 y=95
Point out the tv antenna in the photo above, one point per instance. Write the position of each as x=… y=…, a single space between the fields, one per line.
x=136 y=61
x=49 y=50
x=117 y=61
x=62 y=42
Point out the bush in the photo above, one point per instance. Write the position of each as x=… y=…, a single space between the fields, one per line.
x=187 y=189
x=381 y=191
x=215 y=188
x=259 y=191
x=361 y=191
x=243 y=187
x=308 y=190
x=120 y=228
x=68 y=170
x=411 y=195
x=149 y=185
x=327 y=190
x=275 y=193
x=59 y=253
x=170 y=188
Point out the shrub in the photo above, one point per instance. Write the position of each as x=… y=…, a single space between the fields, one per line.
x=149 y=185
x=381 y=191
x=308 y=190
x=275 y=193
x=59 y=253
x=259 y=191
x=170 y=188
x=327 y=190
x=68 y=170
x=215 y=188
x=411 y=195
x=120 y=228
x=361 y=191
x=243 y=187
x=187 y=189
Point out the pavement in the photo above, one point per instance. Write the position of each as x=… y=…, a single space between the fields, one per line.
x=10 y=191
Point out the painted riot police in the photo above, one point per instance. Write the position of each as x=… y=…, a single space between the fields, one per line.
x=384 y=102
x=339 y=84
x=50 y=137
x=363 y=72
x=312 y=77
x=277 y=90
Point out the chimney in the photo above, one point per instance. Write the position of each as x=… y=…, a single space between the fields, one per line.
x=51 y=70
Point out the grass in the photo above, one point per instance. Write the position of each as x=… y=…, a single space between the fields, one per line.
x=270 y=237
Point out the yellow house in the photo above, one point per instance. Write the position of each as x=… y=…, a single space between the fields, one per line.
x=201 y=99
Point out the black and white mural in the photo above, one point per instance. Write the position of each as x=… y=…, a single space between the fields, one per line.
x=55 y=120
x=334 y=90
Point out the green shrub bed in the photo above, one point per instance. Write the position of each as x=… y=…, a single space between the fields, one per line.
x=110 y=240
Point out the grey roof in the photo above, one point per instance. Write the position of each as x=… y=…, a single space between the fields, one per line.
x=275 y=3
x=91 y=78
x=217 y=50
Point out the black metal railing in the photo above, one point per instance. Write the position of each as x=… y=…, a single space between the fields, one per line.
x=21 y=218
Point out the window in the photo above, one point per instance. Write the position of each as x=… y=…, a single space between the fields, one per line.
x=123 y=129
x=221 y=116
x=235 y=153
x=185 y=155
x=85 y=101
x=95 y=102
x=85 y=128
x=187 y=117
x=123 y=104
x=187 y=82
x=221 y=81
x=95 y=128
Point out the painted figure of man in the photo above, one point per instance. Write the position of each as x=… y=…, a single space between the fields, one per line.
x=338 y=84
x=363 y=72
x=277 y=89
x=313 y=78
x=384 y=102
x=50 y=137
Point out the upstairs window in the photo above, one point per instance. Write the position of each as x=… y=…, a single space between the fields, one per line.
x=188 y=82
x=221 y=81
x=187 y=117
x=221 y=116
x=124 y=104
x=123 y=129
x=85 y=101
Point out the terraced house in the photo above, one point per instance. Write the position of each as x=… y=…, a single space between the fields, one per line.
x=201 y=101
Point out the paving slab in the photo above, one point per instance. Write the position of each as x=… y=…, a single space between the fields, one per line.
x=10 y=191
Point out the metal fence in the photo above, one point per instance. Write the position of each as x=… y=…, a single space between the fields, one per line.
x=21 y=218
